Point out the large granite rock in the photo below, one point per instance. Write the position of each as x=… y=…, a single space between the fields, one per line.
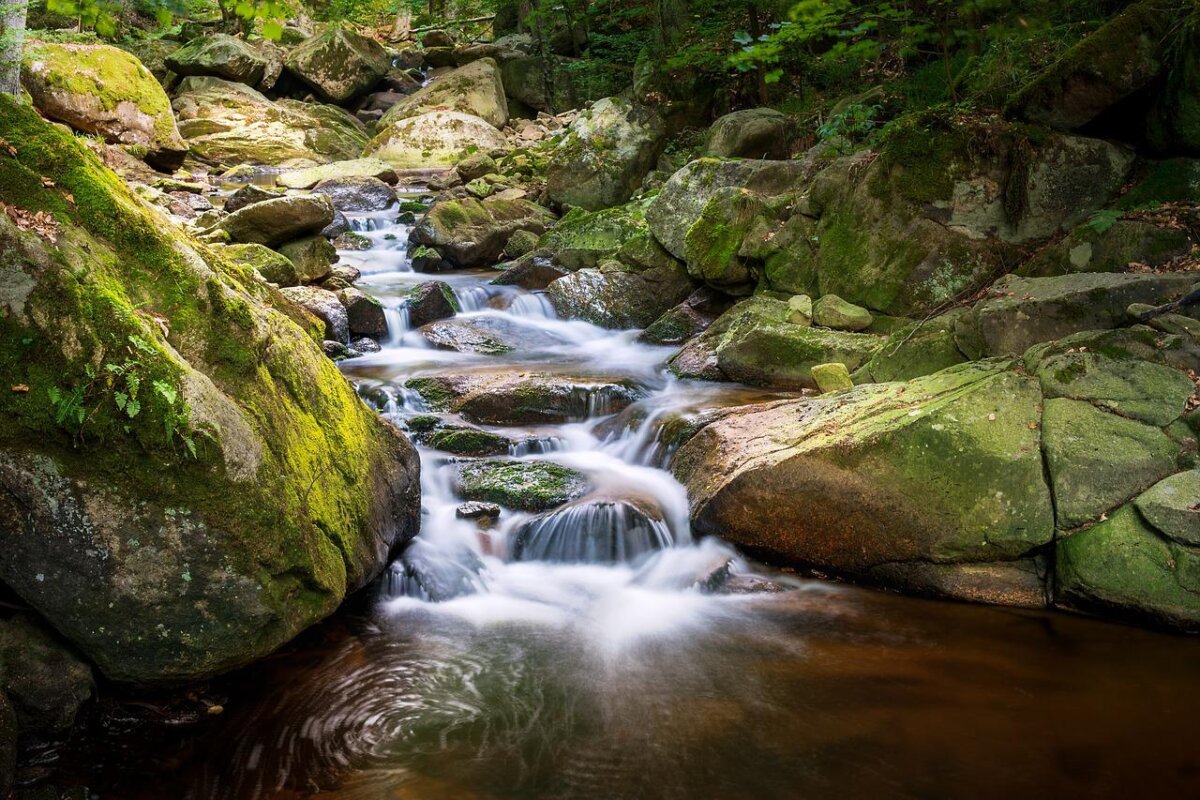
x=339 y=64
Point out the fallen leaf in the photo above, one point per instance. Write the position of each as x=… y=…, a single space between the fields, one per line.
x=20 y=388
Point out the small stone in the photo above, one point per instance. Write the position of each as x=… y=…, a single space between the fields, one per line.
x=248 y=195
x=431 y=301
x=365 y=314
x=365 y=345
x=475 y=510
x=833 y=312
x=832 y=377
x=801 y=306
x=475 y=166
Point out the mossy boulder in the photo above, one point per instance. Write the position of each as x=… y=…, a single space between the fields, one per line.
x=1097 y=461
x=220 y=56
x=313 y=256
x=831 y=311
x=475 y=89
x=756 y=343
x=437 y=138
x=913 y=351
x=712 y=245
x=606 y=153
x=242 y=498
x=326 y=307
x=525 y=398
x=105 y=91
x=339 y=64
x=1141 y=390
x=582 y=239
x=1114 y=249
x=272 y=266
x=1172 y=506
x=617 y=297
x=881 y=481
x=354 y=168
x=832 y=377
x=231 y=124
x=523 y=485
x=473 y=233
x=1109 y=65
x=282 y=219
x=431 y=301
x=468 y=442
x=1122 y=567
x=759 y=133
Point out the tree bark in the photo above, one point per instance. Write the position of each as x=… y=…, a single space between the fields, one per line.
x=12 y=44
x=403 y=28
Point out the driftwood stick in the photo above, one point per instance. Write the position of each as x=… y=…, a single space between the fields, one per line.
x=1190 y=299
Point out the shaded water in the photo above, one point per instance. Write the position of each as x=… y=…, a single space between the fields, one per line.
x=604 y=653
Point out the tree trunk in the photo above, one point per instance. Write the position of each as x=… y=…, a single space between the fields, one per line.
x=12 y=43
x=764 y=96
x=403 y=28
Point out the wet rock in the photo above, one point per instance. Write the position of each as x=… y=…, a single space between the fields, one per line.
x=759 y=133
x=843 y=482
x=604 y=156
x=533 y=274
x=1121 y=567
x=338 y=351
x=339 y=226
x=756 y=343
x=618 y=298
x=212 y=556
x=468 y=442
x=248 y=195
x=104 y=91
x=272 y=266
x=688 y=319
x=431 y=301
x=325 y=306
x=464 y=337
x=831 y=311
x=351 y=240
x=520 y=243
x=43 y=678
x=273 y=222
x=522 y=485
x=1097 y=460
x=364 y=314
x=524 y=399
x=1021 y=583
x=1022 y=312
x=593 y=531
x=220 y=56
x=436 y=138
x=339 y=64
x=434 y=575
x=476 y=510
x=313 y=256
x=473 y=233
x=365 y=345
x=475 y=89
x=354 y=168
x=228 y=123
x=357 y=193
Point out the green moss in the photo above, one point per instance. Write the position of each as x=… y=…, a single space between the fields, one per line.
x=434 y=391
x=469 y=442
x=524 y=485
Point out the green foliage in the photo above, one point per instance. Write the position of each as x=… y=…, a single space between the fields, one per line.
x=851 y=124
x=1103 y=220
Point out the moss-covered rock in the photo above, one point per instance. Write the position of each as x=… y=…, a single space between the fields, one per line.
x=832 y=377
x=475 y=90
x=619 y=298
x=524 y=485
x=231 y=124
x=607 y=151
x=242 y=497
x=943 y=470
x=469 y=442
x=437 y=138
x=760 y=133
x=473 y=233
x=312 y=256
x=102 y=90
x=220 y=56
x=1097 y=461
x=1114 y=249
x=524 y=399
x=831 y=311
x=1141 y=390
x=340 y=63
x=272 y=266
x=1122 y=567
x=712 y=245
x=582 y=239
x=282 y=219
x=913 y=351
x=354 y=168
x=756 y=343
x=1172 y=507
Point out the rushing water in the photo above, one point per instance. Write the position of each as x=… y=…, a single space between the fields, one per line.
x=603 y=652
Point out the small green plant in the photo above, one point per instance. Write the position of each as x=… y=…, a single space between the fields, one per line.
x=1103 y=220
x=852 y=124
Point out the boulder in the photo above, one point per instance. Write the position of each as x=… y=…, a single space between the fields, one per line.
x=438 y=138
x=354 y=168
x=248 y=492
x=220 y=56
x=325 y=306
x=1115 y=249
x=759 y=133
x=1122 y=567
x=832 y=377
x=913 y=351
x=532 y=273
x=582 y=239
x=525 y=398
x=339 y=64
x=1022 y=312
x=884 y=481
x=1172 y=507
x=617 y=297
x=1141 y=390
x=1107 y=66
x=604 y=156
x=475 y=90
x=472 y=442
x=564 y=83
x=431 y=301
x=44 y=679
x=489 y=336
x=712 y=245
x=248 y=195
x=228 y=123
x=312 y=256
x=1097 y=461
x=357 y=194
x=104 y=91
x=273 y=222
x=364 y=314
x=688 y=319
x=437 y=39
x=523 y=485
x=756 y=343
x=831 y=311
x=272 y=266
x=473 y=233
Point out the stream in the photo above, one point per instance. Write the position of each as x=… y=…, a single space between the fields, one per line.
x=605 y=652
